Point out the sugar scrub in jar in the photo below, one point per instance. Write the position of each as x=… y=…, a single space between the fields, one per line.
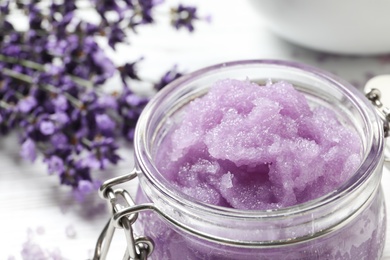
x=260 y=160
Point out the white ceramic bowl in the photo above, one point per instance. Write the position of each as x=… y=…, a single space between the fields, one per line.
x=339 y=26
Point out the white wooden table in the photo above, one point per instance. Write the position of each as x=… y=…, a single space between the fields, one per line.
x=32 y=204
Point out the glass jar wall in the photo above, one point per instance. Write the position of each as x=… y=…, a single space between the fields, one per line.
x=348 y=223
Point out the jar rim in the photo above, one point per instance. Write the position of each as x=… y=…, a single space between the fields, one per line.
x=370 y=162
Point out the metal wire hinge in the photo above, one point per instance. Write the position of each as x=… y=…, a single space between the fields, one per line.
x=377 y=91
x=123 y=217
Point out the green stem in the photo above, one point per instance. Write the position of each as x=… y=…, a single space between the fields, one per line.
x=25 y=63
x=40 y=67
x=47 y=87
x=4 y=104
x=82 y=82
x=86 y=142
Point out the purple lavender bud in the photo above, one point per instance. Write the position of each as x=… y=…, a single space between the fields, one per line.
x=158 y=2
x=92 y=162
x=129 y=4
x=60 y=103
x=129 y=70
x=134 y=100
x=60 y=117
x=55 y=165
x=47 y=127
x=106 y=102
x=116 y=35
x=82 y=172
x=97 y=184
x=146 y=11
x=81 y=131
x=35 y=17
x=104 y=123
x=59 y=141
x=83 y=189
x=107 y=5
x=6 y=27
x=89 y=97
x=56 y=46
x=11 y=50
x=130 y=134
x=107 y=151
x=105 y=67
x=67 y=18
x=28 y=150
x=72 y=41
x=85 y=186
x=90 y=29
x=69 y=6
x=168 y=77
x=55 y=70
x=4 y=7
x=184 y=16
x=25 y=105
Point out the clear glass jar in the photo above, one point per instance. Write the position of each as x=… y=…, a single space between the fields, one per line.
x=348 y=223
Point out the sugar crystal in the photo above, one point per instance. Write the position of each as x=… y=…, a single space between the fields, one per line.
x=248 y=146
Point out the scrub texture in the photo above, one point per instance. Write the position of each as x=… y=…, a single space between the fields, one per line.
x=253 y=147
x=258 y=152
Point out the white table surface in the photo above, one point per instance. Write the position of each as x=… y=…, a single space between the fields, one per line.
x=33 y=207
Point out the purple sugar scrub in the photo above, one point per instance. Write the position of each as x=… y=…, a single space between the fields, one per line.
x=247 y=146
x=230 y=169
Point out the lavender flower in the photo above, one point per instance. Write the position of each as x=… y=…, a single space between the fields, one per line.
x=26 y=104
x=46 y=127
x=129 y=71
x=51 y=77
x=28 y=150
x=55 y=165
x=4 y=7
x=143 y=13
x=168 y=77
x=129 y=108
x=184 y=17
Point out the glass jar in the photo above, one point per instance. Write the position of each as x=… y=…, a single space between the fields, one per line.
x=348 y=223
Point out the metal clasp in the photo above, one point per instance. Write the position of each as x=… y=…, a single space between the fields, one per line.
x=377 y=91
x=123 y=217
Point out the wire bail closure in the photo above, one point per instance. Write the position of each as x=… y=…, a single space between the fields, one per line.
x=377 y=91
x=123 y=217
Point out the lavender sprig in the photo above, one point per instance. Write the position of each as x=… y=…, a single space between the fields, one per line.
x=51 y=76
